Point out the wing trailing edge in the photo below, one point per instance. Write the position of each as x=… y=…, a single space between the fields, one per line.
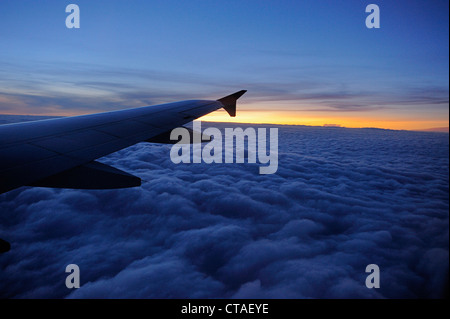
x=93 y=175
x=164 y=138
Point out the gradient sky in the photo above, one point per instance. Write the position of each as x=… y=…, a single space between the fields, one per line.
x=308 y=62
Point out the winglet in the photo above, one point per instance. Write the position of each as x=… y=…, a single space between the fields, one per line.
x=229 y=102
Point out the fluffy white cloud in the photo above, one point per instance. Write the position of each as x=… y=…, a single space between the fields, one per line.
x=341 y=199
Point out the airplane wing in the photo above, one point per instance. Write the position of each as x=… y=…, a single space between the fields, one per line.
x=61 y=152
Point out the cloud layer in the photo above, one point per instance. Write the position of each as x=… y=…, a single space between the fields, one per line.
x=341 y=199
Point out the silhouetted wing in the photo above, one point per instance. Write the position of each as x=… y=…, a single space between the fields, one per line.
x=61 y=152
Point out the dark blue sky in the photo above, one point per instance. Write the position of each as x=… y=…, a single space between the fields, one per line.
x=303 y=62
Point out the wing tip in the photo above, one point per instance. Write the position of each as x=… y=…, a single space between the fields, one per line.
x=229 y=102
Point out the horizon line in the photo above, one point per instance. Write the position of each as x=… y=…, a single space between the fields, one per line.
x=445 y=129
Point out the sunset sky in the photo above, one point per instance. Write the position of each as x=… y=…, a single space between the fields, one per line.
x=302 y=62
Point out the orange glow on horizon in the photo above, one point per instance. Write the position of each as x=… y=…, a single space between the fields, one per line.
x=305 y=118
x=283 y=117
